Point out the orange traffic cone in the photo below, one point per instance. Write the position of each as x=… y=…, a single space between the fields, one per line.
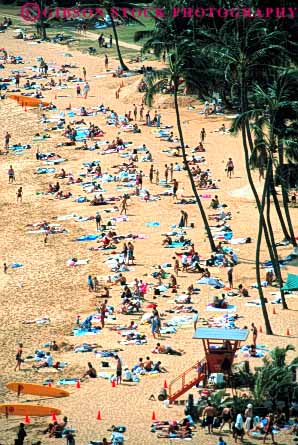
x=260 y=330
x=113 y=383
x=98 y=417
x=27 y=419
x=78 y=385
x=165 y=385
x=274 y=311
x=153 y=416
x=54 y=418
x=288 y=332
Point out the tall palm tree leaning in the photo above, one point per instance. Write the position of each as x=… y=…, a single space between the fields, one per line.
x=173 y=76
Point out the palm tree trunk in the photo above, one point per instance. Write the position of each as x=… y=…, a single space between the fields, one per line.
x=258 y=248
x=121 y=61
x=193 y=186
x=271 y=233
x=285 y=197
x=247 y=134
x=278 y=211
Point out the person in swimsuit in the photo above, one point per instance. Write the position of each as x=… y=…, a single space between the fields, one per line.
x=118 y=369
x=254 y=334
x=269 y=428
x=91 y=372
x=227 y=417
x=230 y=168
x=209 y=413
x=19 y=357
x=11 y=176
x=20 y=194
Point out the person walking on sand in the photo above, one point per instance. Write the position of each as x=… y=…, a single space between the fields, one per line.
x=20 y=195
x=254 y=334
x=78 y=88
x=84 y=73
x=106 y=62
x=124 y=205
x=171 y=168
x=11 y=176
x=19 y=359
x=86 y=90
x=195 y=319
x=118 y=369
x=209 y=413
x=230 y=168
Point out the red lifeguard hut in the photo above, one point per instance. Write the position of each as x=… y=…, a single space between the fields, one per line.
x=220 y=346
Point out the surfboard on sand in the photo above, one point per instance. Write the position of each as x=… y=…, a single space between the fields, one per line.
x=20 y=409
x=37 y=390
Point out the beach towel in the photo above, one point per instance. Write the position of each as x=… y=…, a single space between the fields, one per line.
x=72 y=263
x=16 y=265
x=153 y=224
x=229 y=308
x=79 y=332
x=44 y=170
x=217 y=284
x=87 y=238
x=67 y=381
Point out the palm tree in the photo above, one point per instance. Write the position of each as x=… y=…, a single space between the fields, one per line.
x=155 y=83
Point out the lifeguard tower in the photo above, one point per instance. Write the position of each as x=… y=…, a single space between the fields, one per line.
x=220 y=346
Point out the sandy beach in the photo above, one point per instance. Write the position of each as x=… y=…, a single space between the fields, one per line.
x=45 y=286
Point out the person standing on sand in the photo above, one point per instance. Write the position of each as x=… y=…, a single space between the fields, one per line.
x=98 y=220
x=5 y=268
x=20 y=195
x=21 y=434
x=6 y=140
x=254 y=334
x=166 y=173
x=103 y=309
x=157 y=176
x=135 y=111
x=230 y=277
x=171 y=168
x=106 y=62
x=90 y=284
x=151 y=171
x=86 y=90
x=141 y=113
x=175 y=188
x=11 y=176
x=203 y=135
x=230 y=168
x=84 y=73
x=78 y=89
x=19 y=357
x=118 y=369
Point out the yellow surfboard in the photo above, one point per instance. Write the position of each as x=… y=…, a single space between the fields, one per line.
x=18 y=409
x=37 y=390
